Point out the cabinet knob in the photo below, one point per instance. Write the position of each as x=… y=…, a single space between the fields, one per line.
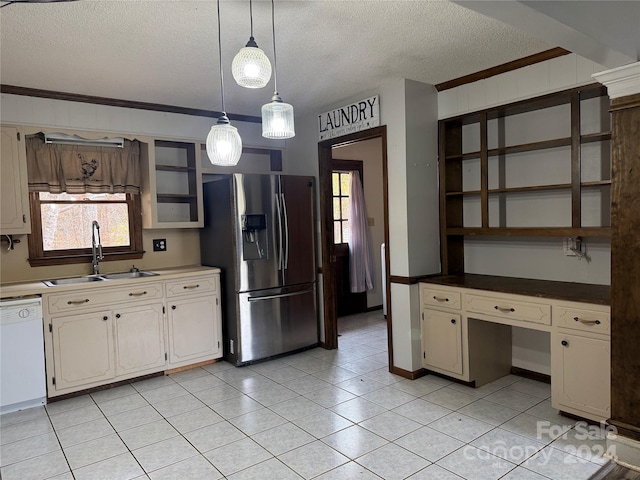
x=564 y=343
x=453 y=320
x=117 y=315
x=105 y=318
x=173 y=307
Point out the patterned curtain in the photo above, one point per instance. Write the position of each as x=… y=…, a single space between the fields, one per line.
x=360 y=255
x=78 y=169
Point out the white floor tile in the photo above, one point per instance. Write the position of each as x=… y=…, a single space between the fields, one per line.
x=121 y=467
x=237 y=456
x=390 y=425
x=392 y=462
x=193 y=468
x=429 y=443
x=283 y=438
x=434 y=472
x=313 y=459
x=94 y=451
x=358 y=409
x=461 y=427
x=257 y=421
x=28 y=448
x=161 y=454
x=354 y=441
x=349 y=471
x=37 y=468
x=474 y=464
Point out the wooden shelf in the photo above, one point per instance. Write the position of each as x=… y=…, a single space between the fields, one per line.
x=172 y=168
x=595 y=137
x=452 y=171
x=530 y=231
x=175 y=198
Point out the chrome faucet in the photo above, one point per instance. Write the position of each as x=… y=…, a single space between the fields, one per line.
x=96 y=247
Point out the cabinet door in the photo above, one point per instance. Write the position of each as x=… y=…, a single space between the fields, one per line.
x=442 y=340
x=83 y=349
x=581 y=374
x=14 y=205
x=139 y=335
x=194 y=330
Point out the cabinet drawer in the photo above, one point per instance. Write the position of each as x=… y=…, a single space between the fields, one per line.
x=102 y=296
x=440 y=297
x=583 y=319
x=190 y=285
x=511 y=308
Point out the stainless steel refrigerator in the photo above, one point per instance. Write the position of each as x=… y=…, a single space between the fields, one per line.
x=260 y=230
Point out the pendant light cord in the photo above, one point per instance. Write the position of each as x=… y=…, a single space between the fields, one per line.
x=224 y=111
x=251 y=16
x=275 y=60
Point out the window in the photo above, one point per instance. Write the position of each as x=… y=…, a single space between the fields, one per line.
x=61 y=227
x=341 y=186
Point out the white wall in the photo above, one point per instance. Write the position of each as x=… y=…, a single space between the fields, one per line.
x=539 y=258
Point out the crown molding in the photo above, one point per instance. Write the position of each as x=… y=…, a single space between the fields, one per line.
x=621 y=81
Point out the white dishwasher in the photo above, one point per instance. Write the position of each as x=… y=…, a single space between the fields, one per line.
x=22 y=377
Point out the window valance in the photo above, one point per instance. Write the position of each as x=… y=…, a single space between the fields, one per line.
x=75 y=169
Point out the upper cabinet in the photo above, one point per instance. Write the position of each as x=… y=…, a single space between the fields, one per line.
x=538 y=167
x=172 y=185
x=14 y=201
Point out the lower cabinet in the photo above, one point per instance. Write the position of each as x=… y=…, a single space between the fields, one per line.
x=84 y=352
x=442 y=341
x=139 y=334
x=176 y=323
x=581 y=374
x=192 y=334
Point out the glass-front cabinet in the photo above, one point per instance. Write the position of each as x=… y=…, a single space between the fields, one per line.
x=173 y=196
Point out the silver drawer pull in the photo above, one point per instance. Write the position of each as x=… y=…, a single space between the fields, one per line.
x=440 y=299
x=587 y=322
x=505 y=310
x=191 y=287
x=137 y=294
x=77 y=302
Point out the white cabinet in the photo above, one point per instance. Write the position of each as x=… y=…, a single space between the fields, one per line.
x=139 y=335
x=172 y=185
x=84 y=350
x=194 y=319
x=105 y=334
x=581 y=361
x=442 y=341
x=14 y=201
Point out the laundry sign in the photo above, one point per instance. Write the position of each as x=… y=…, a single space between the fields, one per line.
x=350 y=118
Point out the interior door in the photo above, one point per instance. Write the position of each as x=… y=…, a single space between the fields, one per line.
x=299 y=229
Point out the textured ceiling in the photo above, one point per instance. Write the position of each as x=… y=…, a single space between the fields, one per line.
x=167 y=51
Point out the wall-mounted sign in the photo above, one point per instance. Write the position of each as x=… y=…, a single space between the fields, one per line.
x=351 y=118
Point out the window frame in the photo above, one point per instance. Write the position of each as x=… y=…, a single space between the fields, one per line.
x=345 y=167
x=38 y=257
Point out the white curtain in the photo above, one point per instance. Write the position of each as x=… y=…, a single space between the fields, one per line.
x=360 y=255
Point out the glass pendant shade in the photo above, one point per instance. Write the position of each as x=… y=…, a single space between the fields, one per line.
x=250 y=67
x=277 y=120
x=224 y=145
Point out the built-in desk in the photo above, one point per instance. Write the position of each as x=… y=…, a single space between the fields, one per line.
x=466 y=325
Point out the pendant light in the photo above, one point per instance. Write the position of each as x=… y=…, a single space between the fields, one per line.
x=224 y=145
x=251 y=67
x=277 y=116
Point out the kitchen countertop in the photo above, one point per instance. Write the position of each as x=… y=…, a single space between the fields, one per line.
x=36 y=287
x=569 y=291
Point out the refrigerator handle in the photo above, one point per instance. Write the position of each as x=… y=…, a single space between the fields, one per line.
x=280 y=257
x=281 y=295
x=286 y=232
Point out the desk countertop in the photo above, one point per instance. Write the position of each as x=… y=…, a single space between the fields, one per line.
x=569 y=291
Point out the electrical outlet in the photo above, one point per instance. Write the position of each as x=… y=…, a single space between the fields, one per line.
x=572 y=246
x=159 y=244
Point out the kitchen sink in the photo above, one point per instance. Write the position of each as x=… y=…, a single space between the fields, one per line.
x=97 y=278
x=72 y=281
x=125 y=275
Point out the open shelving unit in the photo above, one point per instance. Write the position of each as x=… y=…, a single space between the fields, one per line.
x=538 y=168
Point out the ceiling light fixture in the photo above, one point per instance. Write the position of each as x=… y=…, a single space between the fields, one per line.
x=251 y=67
x=277 y=116
x=224 y=145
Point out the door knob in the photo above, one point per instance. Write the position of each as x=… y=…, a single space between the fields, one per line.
x=117 y=315
x=105 y=318
x=173 y=307
x=564 y=343
x=453 y=320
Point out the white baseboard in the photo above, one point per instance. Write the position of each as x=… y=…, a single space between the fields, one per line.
x=624 y=451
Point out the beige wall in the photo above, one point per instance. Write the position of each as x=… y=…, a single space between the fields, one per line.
x=370 y=152
x=183 y=248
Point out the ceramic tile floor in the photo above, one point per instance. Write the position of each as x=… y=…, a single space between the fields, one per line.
x=319 y=414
